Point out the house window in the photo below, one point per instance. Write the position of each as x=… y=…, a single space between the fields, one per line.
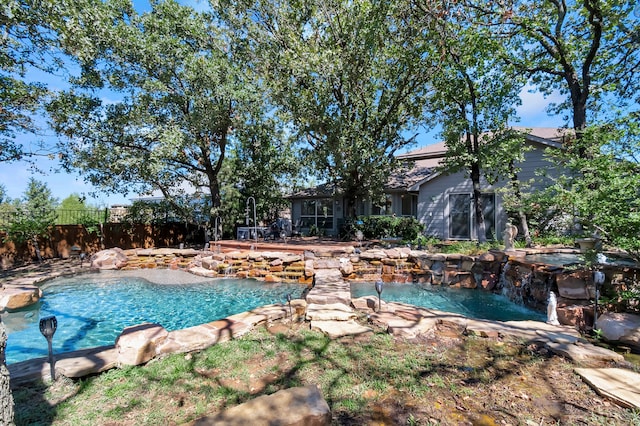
x=460 y=215
x=408 y=202
x=317 y=213
x=384 y=209
x=489 y=213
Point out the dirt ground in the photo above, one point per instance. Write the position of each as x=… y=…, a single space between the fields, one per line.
x=468 y=380
x=490 y=381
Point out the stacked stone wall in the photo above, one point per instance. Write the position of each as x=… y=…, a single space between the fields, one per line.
x=525 y=283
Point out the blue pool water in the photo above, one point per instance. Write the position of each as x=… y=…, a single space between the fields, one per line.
x=564 y=259
x=92 y=310
x=470 y=303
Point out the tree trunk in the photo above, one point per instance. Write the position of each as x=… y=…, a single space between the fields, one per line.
x=6 y=397
x=521 y=214
x=477 y=204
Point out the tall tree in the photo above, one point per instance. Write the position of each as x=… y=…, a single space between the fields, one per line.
x=35 y=216
x=24 y=46
x=347 y=76
x=265 y=165
x=184 y=94
x=587 y=50
x=474 y=99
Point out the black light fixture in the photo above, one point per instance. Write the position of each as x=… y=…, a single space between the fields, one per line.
x=48 y=328
x=379 y=291
x=289 y=302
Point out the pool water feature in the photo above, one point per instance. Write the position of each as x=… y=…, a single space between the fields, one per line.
x=92 y=310
x=470 y=303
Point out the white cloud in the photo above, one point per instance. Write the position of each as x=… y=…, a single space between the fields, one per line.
x=533 y=111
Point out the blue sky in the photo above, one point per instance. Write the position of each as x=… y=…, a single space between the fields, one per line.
x=15 y=176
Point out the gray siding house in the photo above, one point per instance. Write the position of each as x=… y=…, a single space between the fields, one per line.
x=443 y=202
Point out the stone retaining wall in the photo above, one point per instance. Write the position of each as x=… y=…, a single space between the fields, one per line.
x=506 y=273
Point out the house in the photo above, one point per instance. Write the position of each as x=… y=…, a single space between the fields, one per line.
x=443 y=202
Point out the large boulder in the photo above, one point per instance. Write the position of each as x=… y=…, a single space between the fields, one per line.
x=302 y=406
x=139 y=344
x=575 y=285
x=113 y=258
x=621 y=328
x=19 y=296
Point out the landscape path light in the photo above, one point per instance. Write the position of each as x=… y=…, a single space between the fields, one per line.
x=48 y=328
x=379 y=291
x=289 y=302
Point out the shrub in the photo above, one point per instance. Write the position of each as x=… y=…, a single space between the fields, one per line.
x=406 y=228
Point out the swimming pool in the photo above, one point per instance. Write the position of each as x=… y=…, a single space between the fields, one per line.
x=92 y=310
x=470 y=303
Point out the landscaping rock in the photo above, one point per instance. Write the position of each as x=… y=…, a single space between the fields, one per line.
x=373 y=255
x=367 y=304
x=114 y=258
x=587 y=355
x=203 y=272
x=326 y=263
x=579 y=315
x=18 y=297
x=336 y=329
x=138 y=344
x=309 y=269
x=616 y=384
x=621 y=328
x=333 y=311
x=408 y=328
x=346 y=267
x=301 y=406
x=575 y=285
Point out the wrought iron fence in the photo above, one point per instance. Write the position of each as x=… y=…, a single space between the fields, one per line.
x=62 y=217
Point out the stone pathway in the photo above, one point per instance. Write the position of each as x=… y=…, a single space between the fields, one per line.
x=620 y=385
x=329 y=306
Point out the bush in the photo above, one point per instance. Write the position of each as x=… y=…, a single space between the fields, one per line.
x=374 y=227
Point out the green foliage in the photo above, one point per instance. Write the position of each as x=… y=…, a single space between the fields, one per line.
x=582 y=50
x=73 y=211
x=549 y=240
x=406 y=228
x=35 y=216
x=152 y=212
x=187 y=95
x=314 y=231
x=623 y=295
x=263 y=164
x=598 y=193
x=474 y=100
x=464 y=247
x=24 y=45
x=346 y=77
